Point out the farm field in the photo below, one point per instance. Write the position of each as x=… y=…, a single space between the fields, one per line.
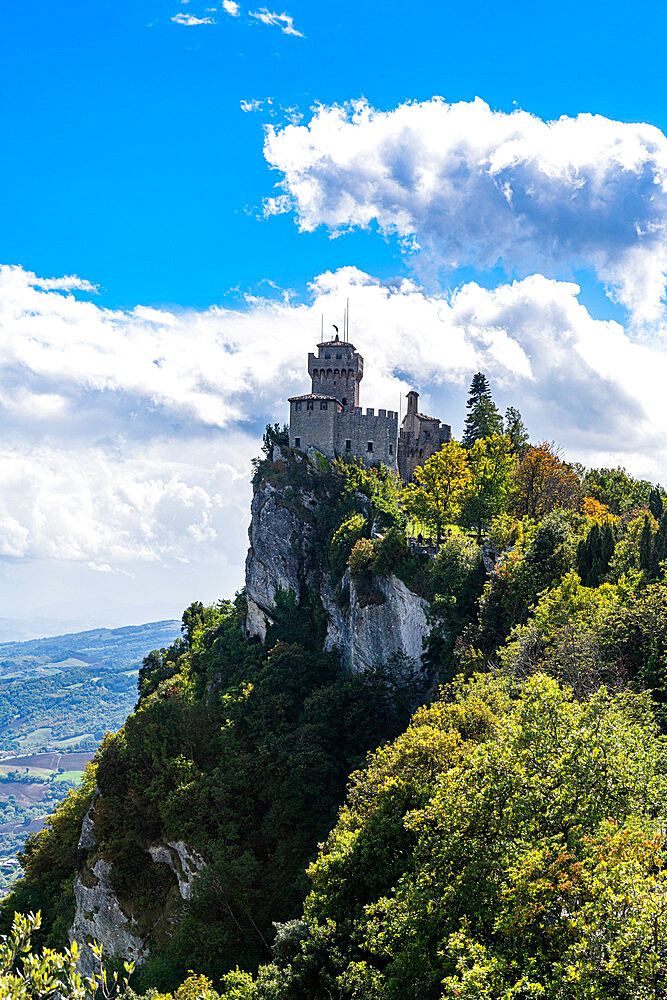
x=58 y=697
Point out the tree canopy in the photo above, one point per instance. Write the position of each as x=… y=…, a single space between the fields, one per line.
x=483 y=419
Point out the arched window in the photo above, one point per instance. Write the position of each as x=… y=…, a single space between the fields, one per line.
x=309 y=404
x=323 y=406
x=299 y=405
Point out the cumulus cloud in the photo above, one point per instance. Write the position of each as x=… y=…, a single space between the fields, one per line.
x=190 y=19
x=284 y=21
x=470 y=186
x=231 y=7
x=127 y=435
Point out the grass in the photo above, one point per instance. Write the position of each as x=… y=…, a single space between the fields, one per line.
x=36 y=738
x=73 y=776
x=73 y=741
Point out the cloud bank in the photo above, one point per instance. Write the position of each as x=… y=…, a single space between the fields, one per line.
x=470 y=186
x=127 y=435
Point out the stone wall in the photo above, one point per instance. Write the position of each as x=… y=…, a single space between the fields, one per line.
x=359 y=429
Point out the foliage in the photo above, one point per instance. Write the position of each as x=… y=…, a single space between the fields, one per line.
x=47 y=975
x=491 y=465
x=483 y=419
x=49 y=860
x=595 y=552
x=486 y=853
x=274 y=434
x=361 y=557
x=344 y=539
x=543 y=482
x=457 y=578
x=243 y=752
x=440 y=484
x=515 y=429
x=615 y=488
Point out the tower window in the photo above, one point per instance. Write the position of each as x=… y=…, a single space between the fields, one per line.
x=323 y=406
x=309 y=404
x=369 y=446
x=344 y=400
x=348 y=445
x=338 y=357
x=391 y=449
x=297 y=442
x=298 y=406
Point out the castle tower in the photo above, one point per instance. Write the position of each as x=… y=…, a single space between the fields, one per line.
x=336 y=371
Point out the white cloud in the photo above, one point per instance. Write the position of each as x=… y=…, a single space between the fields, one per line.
x=471 y=186
x=252 y=105
x=190 y=19
x=231 y=7
x=127 y=435
x=284 y=21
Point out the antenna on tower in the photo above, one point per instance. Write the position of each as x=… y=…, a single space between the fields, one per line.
x=347 y=314
x=322 y=333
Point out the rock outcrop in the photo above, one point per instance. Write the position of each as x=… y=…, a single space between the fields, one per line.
x=101 y=916
x=183 y=861
x=278 y=543
x=370 y=634
x=281 y=556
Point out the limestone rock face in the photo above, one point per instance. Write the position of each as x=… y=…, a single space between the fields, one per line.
x=375 y=633
x=281 y=555
x=184 y=862
x=99 y=917
x=278 y=543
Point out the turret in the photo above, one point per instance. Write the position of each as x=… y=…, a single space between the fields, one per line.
x=337 y=370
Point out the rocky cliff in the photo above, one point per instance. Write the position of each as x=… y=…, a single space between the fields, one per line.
x=284 y=555
x=199 y=797
x=101 y=915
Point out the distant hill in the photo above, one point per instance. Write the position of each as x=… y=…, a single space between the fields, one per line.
x=58 y=697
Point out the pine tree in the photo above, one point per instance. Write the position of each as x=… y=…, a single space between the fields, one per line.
x=483 y=418
x=584 y=562
x=646 y=547
x=516 y=430
x=655 y=504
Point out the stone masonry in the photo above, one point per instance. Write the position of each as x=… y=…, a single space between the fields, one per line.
x=329 y=417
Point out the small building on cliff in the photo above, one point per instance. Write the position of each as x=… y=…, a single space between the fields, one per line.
x=329 y=418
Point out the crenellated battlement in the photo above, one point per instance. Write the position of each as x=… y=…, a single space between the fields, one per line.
x=330 y=419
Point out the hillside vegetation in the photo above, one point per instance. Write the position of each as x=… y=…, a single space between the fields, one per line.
x=490 y=826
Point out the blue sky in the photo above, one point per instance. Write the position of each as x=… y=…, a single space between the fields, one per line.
x=176 y=214
x=128 y=158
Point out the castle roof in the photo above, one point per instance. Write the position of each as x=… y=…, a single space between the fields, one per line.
x=337 y=343
x=314 y=395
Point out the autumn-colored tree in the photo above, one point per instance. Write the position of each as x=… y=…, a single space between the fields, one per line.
x=491 y=465
x=440 y=484
x=543 y=482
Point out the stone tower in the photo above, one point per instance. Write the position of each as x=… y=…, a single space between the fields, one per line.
x=336 y=371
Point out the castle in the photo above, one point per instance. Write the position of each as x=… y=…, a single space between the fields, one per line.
x=330 y=419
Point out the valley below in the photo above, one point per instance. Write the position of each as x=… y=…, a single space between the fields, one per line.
x=58 y=697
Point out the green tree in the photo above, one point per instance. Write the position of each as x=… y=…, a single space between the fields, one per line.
x=491 y=465
x=483 y=419
x=487 y=853
x=655 y=503
x=516 y=430
x=435 y=496
x=274 y=434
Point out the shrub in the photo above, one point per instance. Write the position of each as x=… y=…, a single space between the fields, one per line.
x=344 y=540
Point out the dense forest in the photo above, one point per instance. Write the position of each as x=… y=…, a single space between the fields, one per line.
x=490 y=824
